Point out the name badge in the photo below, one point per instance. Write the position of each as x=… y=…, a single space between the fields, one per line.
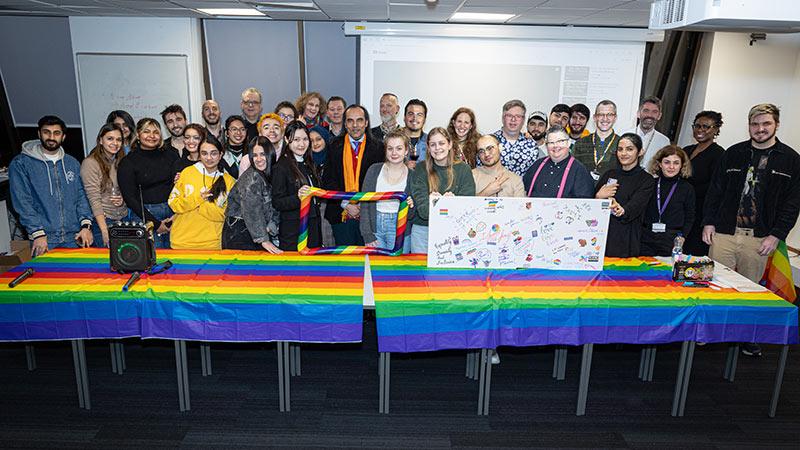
x=595 y=175
x=659 y=227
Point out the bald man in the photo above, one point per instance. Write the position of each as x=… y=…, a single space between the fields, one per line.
x=491 y=178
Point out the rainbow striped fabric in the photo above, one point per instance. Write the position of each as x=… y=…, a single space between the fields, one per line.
x=630 y=301
x=225 y=295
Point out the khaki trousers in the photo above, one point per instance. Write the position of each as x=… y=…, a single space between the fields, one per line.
x=740 y=253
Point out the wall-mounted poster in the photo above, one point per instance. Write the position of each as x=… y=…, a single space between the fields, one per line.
x=511 y=233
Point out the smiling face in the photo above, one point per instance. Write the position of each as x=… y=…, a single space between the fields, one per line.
x=537 y=128
x=670 y=165
x=388 y=107
x=559 y=118
x=259 y=158
x=395 y=150
x=251 y=106
x=439 y=148
x=513 y=119
x=414 y=117
x=577 y=123
x=704 y=129
x=317 y=142
x=355 y=122
x=627 y=154
x=335 y=112
x=175 y=123
x=649 y=114
x=51 y=137
x=111 y=142
x=311 y=109
x=150 y=136
x=463 y=125
x=236 y=132
x=210 y=156
x=211 y=112
x=286 y=113
x=604 y=117
x=762 y=128
x=557 y=146
x=191 y=140
x=299 y=143
x=271 y=129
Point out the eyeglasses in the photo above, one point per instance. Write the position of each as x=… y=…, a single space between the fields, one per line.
x=513 y=116
x=606 y=115
x=488 y=148
x=558 y=142
x=250 y=103
x=286 y=117
x=237 y=130
x=702 y=126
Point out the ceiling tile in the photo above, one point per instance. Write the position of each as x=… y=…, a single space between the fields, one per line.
x=492 y=9
x=540 y=20
x=527 y=4
x=583 y=4
x=560 y=12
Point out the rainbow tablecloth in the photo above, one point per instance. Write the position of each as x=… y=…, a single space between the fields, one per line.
x=210 y=296
x=630 y=301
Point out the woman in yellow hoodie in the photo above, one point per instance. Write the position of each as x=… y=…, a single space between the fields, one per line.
x=199 y=199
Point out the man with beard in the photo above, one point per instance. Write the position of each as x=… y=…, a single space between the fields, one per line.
x=251 y=110
x=491 y=178
x=388 y=107
x=174 y=118
x=346 y=164
x=649 y=114
x=415 y=115
x=753 y=200
x=517 y=152
x=559 y=115
x=578 y=118
x=235 y=132
x=335 y=115
x=47 y=191
x=537 y=130
x=597 y=151
x=211 y=116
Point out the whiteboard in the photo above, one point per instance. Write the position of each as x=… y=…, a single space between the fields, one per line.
x=512 y=233
x=138 y=83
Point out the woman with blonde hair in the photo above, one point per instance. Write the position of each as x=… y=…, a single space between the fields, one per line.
x=441 y=176
x=671 y=209
x=464 y=130
x=311 y=107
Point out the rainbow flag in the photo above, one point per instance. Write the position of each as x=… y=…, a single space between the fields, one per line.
x=233 y=296
x=778 y=274
x=631 y=301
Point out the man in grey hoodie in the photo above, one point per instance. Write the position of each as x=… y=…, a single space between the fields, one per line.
x=47 y=192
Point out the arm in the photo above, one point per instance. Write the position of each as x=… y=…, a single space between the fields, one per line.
x=365 y=225
x=129 y=188
x=92 y=179
x=24 y=203
x=584 y=184
x=517 y=187
x=83 y=209
x=636 y=205
x=419 y=190
x=178 y=202
x=284 y=190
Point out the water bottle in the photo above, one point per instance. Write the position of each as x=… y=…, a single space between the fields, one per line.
x=677 y=247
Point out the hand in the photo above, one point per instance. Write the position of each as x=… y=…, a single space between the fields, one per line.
x=117 y=200
x=708 y=234
x=372 y=244
x=84 y=237
x=353 y=210
x=607 y=191
x=495 y=185
x=177 y=177
x=768 y=245
x=39 y=246
x=270 y=247
x=205 y=193
x=617 y=209
x=411 y=164
x=448 y=194
x=104 y=232
x=303 y=191
x=434 y=195
x=410 y=201
x=164 y=227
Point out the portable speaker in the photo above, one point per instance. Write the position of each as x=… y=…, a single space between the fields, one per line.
x=131 y=247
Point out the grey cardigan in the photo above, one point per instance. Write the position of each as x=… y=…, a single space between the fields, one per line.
x=369 y=212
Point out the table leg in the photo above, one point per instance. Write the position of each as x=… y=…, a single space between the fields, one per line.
x=122 y=356
x=205 y=359
x=583 y=384
x=30 y=355
x=470 y=357
x=117 y=358
x=776 y=390
x=562 y=364
x=686 y=376
x=384 y=372
x=284 y=376
x=181 y=367
x=484 y=382
x=652 y=365
x=676 y=398
x=81 y=375
x=730 y=362
x=294 y=359
x=113 y=348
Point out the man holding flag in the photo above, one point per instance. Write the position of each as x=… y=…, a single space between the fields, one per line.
x=753 y=199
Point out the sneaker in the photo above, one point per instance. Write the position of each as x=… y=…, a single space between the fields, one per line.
x=495 y=357
x=751 y=349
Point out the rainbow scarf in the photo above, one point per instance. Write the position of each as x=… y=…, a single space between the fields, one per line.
x=630 y=301
x=226 y=295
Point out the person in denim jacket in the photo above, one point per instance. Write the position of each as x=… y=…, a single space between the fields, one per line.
x=47 y=191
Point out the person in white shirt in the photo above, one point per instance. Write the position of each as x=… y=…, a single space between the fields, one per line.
x=649 y=114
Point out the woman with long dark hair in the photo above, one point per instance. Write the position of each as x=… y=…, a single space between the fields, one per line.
x=199 y=199
x=146 y=177
x=251 y=222
x=99 y=176
x=125 y=122
x=294 y=174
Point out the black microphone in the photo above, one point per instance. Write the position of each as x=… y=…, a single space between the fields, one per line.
x=20 y=278
x=133 y=279
x=160 y=268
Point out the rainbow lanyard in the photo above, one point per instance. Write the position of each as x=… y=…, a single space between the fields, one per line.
x=594 y=148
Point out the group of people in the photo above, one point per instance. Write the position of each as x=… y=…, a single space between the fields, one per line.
x=237 y=183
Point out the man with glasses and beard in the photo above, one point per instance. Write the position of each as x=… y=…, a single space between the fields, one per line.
x=174 y=118
x=47 y=192
x=211 y=116
x=597 y=151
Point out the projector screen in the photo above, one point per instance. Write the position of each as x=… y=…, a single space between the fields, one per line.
x=483 y=74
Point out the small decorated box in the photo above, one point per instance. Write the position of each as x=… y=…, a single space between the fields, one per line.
x=693 y=271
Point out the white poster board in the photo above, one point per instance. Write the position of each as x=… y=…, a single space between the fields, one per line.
x=511 y=233
x=139 y=84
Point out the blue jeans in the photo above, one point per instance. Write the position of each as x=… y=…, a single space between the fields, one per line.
x=386 y=231
x=419 y=239
x=161 y=211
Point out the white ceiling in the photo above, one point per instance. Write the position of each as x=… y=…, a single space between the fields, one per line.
x=614 y=13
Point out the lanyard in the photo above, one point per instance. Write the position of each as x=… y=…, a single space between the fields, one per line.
x=563 y=177
x=649 y=141
x=594 y=148
x=662 y=208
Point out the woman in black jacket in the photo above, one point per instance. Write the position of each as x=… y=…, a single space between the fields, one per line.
x=294 y=174
x=671 y=208
x=629 y=188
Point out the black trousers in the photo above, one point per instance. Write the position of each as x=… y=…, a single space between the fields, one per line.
x=657 y=244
